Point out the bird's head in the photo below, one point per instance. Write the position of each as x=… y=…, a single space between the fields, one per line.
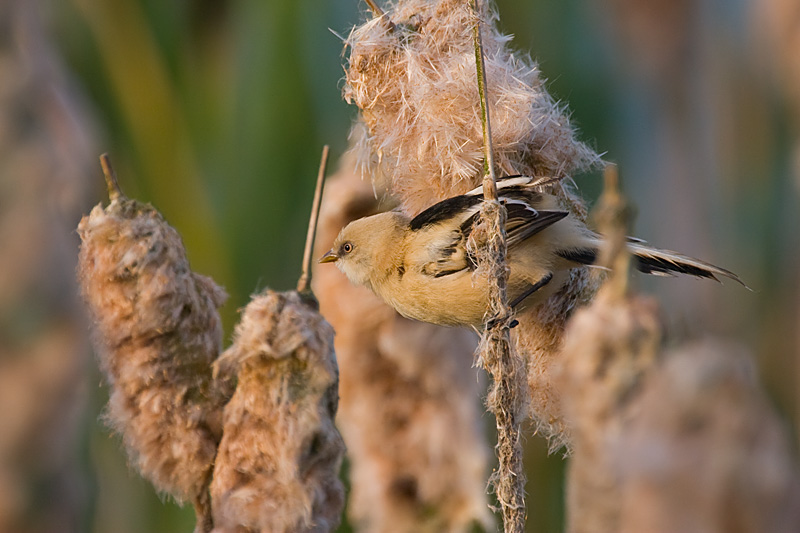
x=364 y=245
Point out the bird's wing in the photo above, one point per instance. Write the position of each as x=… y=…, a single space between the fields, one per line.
x=445 y=227
x=453 y=211
x=505 y=181
x=447 y=255
x=516 y=181
x=523 y=220
x=457 y=210
x=440 y=244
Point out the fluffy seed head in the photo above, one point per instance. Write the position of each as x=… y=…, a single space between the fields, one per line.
x=278 y=461
x=157 y=331
x=415 y=84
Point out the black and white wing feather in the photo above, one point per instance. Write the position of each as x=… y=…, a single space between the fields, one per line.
x=449 y=252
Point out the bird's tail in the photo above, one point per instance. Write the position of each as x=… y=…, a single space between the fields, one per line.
x=654 y=261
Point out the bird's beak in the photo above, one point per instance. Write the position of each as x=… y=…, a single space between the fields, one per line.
x=329 y=257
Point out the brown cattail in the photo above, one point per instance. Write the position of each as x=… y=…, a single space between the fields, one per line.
x=407 y=394
x=704 y=450
x=278 y=461
x=677 y=442
x=680 y=442
x=157 y=331
x=414 y=81
x=608 y=347
x=411 y=72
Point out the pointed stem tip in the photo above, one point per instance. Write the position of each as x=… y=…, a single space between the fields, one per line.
x=611 y=180
x=375 y=8
x=304 y=283
x=114 y=191
x=613 y=218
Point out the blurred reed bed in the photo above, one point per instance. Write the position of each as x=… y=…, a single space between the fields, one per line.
x=678 y=440
x=248 y=117
x=719 y=149
x=46 y=144
x=776 y=31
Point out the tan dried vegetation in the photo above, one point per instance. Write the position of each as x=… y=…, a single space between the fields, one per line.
x=158 y=333
x=661 y=441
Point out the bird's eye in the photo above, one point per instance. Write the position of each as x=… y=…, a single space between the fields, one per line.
x=347 y=247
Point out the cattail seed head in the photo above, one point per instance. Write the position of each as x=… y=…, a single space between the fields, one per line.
x=609 y=347
x=278 y=461
x=414 y=82
x=704 y=449
x=157 y=331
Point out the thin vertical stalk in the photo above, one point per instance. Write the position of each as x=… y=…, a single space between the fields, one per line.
x=304 y=283
x=114 y=190
x=375 y=8
x=495 y=354
x=489 y=177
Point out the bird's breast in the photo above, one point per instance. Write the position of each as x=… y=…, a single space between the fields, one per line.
x=449 y=300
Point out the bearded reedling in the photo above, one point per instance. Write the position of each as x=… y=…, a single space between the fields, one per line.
x=423 y=267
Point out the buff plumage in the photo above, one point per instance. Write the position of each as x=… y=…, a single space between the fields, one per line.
x=423 y=267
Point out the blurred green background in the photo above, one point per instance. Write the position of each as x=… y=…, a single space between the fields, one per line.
x=216 y=112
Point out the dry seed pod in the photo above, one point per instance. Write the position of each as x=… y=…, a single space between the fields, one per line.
x=414 y=81
x=408 y=394
x=680 y=442
x=683 y=442
x=608 y=348
x=704 y=450
x=278 y=461
x=157 y=332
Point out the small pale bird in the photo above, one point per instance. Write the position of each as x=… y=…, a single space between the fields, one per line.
x=421 y=266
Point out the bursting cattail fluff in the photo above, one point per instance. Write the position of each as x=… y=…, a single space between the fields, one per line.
x=414 y=82
x=278 y=461
x=157 y=331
